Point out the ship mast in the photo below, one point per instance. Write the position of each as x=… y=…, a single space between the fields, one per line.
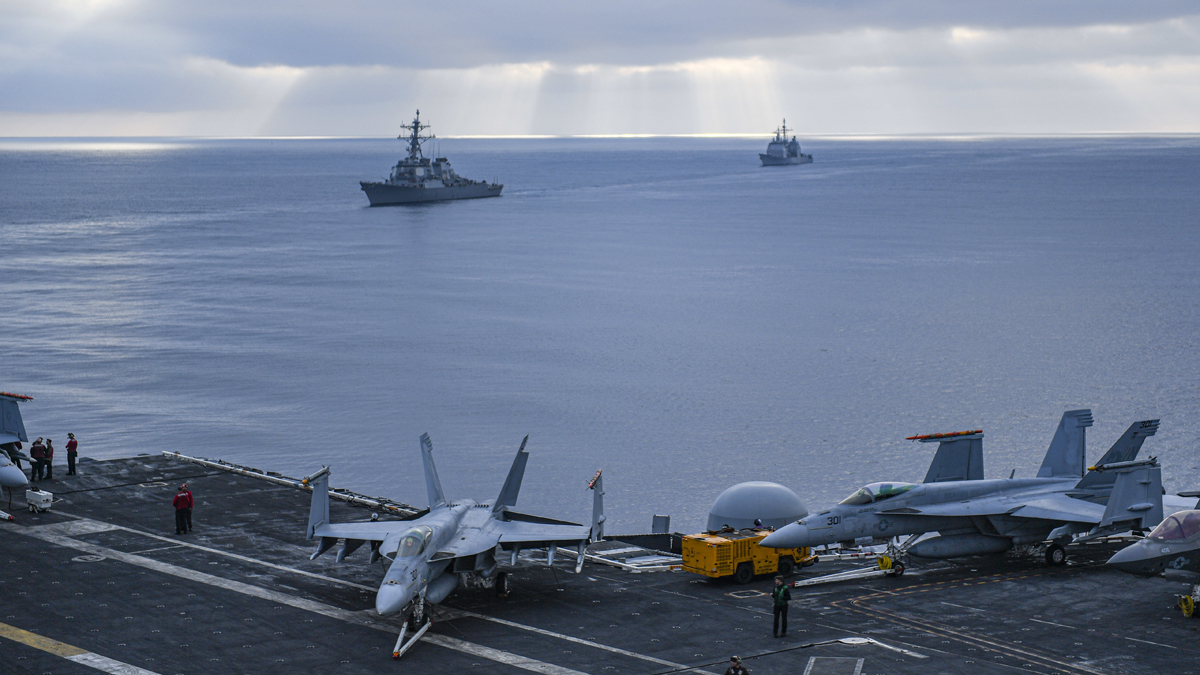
x=783 y=130
x=415 y=139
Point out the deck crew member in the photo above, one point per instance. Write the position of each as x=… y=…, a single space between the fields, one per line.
x=37 y=460
x=49 y=459
x=781 y=595
x=736 y=667
x=72 y=453
x=183 y=510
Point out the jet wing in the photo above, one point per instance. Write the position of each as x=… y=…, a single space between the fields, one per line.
x=540 y=534
x=1061 y=507
x=375 y=531
x=1054 y=506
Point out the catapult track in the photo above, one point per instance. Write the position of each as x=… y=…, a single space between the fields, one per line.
x=101 y=582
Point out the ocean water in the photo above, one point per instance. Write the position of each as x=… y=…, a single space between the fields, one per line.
x=664 y=309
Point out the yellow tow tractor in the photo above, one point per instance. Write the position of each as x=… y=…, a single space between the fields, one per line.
x=736 y=553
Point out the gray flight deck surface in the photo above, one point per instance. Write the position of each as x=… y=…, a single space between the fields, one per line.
x=106 y=579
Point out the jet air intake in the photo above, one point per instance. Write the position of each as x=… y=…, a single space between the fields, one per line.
x=960 y=545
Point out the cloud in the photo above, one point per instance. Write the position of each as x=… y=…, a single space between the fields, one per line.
x=308 y=68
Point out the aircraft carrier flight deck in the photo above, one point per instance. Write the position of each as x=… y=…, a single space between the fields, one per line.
x=100 y=583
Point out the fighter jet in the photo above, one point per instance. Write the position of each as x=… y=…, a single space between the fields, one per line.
x=12 y=432
x=1172 y=549
x=974 y=516
x=453 y=542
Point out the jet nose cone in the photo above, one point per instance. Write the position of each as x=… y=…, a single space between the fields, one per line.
x=391 y=599
x=1138 y=559
x=12 y=477
x=790 y=536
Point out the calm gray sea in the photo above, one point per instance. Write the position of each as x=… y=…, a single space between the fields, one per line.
x=664 y=309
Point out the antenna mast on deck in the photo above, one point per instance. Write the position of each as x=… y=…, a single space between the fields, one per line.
x=415 y=139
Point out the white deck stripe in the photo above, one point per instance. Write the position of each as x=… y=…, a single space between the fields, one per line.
x=313 y=606
x=107 y=665
x=589 y=643
x=512 y=624
x=227 y=554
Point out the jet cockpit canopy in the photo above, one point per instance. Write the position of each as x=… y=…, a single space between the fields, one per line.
x=414 y=541
x=1177 y=527
x=877 y=492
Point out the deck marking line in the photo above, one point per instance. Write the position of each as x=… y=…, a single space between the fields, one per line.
x=227 y=554
x=313 y=606
x=1158 y=644
x=107 y=665
x=972 y=638
x=154 y=550
x=1051 y=623
x=499 y=656
x=39 y=641
x=581 y=641
x=70 y=652
x=970 y=609
x=105 y=527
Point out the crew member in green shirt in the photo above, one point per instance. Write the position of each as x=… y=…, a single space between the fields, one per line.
x=781 y=594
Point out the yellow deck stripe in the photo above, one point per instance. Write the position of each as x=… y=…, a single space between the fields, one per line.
x=38 y=642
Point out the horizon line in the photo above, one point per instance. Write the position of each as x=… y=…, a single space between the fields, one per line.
x=756 y=135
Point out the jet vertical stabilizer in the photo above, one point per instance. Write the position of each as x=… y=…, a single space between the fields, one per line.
x=12 y=427
x=433 y=484
x=1066 y=454
x=318 y=513
x=959 y=456
x=1136 y=497
x=512 y=484
x=1124 y=450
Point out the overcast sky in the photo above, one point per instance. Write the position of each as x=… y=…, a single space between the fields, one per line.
x=359 y=67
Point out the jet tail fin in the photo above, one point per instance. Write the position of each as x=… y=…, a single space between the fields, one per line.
x=433 y=484
x=1065 y=457
x=12 y=427
x=512 y=484
x=1136 y=498
x=318 y=513
x=1124 y=450
x=959 y=456
x=597 y=487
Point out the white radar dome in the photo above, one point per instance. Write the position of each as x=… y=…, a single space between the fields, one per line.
x=739 y=506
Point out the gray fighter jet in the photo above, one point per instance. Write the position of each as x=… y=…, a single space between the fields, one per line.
x=453 y=543
x=12 y=431
x=974 y=516
x=1172 y=550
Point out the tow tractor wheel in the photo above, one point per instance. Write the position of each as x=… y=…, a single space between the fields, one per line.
x=1056 y=555
x=744 y=573
x=786 y=565
x=502 y=584
x=1187 y=605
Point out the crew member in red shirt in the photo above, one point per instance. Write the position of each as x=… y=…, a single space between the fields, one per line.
x=72 y=453
x=183 y=510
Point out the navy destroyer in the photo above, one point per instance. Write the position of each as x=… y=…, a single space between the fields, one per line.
x=416 y=178
x=781 y=151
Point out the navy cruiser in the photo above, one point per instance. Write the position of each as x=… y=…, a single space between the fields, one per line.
x=416 y=178
x=781 y=151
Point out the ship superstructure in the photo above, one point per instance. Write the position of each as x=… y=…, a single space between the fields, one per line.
x=781 y=151
x=417 y=178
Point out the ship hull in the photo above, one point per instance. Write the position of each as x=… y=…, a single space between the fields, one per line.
x=382 y=194
x=771 y=160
